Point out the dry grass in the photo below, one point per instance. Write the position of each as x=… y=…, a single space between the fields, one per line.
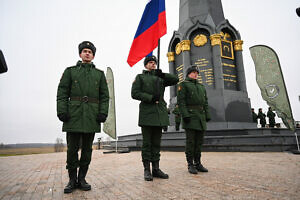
x=26 y=151
x=30 y=150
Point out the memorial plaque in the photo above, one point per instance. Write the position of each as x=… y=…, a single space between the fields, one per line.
x=200 y=46
x=228 y=62
x=179 y=68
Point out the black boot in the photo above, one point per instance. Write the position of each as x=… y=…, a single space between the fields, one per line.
x=199 y=167
x=147 y=173
x=72 y=181
x=191 y=167
x=82 y=184
x=156 y=172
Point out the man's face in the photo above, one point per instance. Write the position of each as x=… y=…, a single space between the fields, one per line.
x=151 y=65
x=193 y=75
x=86 y=55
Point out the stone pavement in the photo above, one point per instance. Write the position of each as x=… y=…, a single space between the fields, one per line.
x=232 y=175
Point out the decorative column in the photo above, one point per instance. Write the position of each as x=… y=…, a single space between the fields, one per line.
x=217 y=64
x=171 y=60
x=185 y=48
x=239 y=65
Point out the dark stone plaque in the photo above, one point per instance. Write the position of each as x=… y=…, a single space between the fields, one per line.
x=228 y=63
x=201 y=57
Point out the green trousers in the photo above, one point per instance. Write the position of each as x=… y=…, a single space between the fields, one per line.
x=151 y=143
x=194 y=141
x=74 y=141
x=177 y=126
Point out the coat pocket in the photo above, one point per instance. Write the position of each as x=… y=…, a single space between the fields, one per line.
x=75 y=109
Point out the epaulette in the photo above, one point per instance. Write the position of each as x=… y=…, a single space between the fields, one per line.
x=71 y=67
x=99 y=69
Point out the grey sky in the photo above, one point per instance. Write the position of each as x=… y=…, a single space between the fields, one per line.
x=40 y=39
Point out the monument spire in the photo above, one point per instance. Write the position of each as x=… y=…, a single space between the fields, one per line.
x=205 y=11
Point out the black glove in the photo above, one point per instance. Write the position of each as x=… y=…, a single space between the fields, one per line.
x=101 y=118
x=187 y=119
x=155 y=98
x=64 y=117
x=207 y=119
x=159 y=73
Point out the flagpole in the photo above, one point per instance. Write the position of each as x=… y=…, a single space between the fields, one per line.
x=158 y=53
x=116 y=127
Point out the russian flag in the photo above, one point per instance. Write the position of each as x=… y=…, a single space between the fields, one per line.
x=152 y=27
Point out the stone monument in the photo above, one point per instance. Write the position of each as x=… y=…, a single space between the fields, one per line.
x=206 y=39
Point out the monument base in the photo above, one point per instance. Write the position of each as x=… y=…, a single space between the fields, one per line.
x=250 y=140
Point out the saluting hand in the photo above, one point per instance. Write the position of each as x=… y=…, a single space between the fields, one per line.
x=159 y=73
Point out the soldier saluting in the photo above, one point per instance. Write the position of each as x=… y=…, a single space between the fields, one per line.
x=82 y=104
x=193 y=106
x=149 y=88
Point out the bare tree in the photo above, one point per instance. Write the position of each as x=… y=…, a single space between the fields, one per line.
x=59 y=146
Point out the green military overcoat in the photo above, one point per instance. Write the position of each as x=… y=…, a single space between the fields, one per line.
x=83 y=94
x=192 y=101
x=262 y=118
x=271 y=115
x=144 y=87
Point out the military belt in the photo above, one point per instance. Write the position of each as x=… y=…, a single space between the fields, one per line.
x=196 y=107
x=85 y=99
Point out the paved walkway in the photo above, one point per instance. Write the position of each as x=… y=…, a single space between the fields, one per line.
x=120 y=176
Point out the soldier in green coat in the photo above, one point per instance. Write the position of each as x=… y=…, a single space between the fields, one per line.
x=82 y=104
x=262 y=117
x=149 y=88
x=176 y=112
x=254 y=116
x=193 y=106
x=271 y=117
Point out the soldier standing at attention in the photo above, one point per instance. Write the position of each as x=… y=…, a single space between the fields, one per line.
x=177 y=117
x=193 y=106
x=262 y=117
x=82 y=104
x=254 y=116
x=149 y=88
x=271 y=117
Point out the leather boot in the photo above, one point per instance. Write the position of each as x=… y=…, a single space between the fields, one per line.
x=191 y=168
x=147 y=173
x=72 y=181
x=199 y=167
x=156 y=172
x=82 y=184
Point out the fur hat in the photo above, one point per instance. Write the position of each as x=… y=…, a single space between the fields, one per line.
x=88 y=45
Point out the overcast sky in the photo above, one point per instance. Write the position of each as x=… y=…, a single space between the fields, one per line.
x=40 y=39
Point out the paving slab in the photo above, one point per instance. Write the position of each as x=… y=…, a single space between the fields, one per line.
x=232 y=175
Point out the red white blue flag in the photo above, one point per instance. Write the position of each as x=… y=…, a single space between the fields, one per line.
x=152 y=27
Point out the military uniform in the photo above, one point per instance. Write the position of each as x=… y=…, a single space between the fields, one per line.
x=176 y=112
x=271 y=115
x=254 y=117
x=262 y=118
x=82 y=98
x=193 y=106
x=153 y=113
